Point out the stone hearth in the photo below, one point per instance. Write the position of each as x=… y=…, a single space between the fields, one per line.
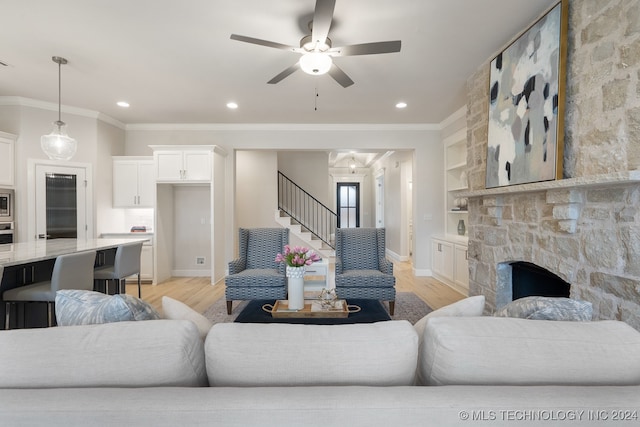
x=584 y=228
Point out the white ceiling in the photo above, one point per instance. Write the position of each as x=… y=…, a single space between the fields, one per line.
x=174 y=62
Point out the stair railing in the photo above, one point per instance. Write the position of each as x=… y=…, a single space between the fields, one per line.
x=306 y=209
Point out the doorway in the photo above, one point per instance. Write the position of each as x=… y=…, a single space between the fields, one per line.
x=348 y=201
x=62 y=202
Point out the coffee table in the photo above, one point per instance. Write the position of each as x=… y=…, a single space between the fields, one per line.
x=370 y=311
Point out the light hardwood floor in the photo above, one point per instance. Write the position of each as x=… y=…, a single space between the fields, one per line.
x=199 y=294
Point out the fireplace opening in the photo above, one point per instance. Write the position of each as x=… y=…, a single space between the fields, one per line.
x=531 y=280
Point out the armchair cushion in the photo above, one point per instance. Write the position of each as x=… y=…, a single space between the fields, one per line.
x=360 y=250
x=366 y=278
x=256 y=277
x=262 y=247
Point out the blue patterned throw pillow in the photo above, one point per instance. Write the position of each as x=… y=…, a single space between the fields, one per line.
x=79 y=307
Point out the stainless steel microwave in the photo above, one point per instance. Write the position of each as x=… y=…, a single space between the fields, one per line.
x=6 y=205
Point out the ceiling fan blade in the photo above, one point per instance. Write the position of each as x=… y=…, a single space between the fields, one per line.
x=322 y=20
x=366 y=48
x=284 y=74
x=264 y=43
x=340 y=76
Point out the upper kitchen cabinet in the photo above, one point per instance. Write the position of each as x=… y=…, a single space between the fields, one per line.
x=7 y=159
x=133 y=182
x=183 y=164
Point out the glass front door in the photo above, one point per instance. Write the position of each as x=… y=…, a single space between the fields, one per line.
x=348 y=204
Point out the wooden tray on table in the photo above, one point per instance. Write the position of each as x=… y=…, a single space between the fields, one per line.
x=312 y=308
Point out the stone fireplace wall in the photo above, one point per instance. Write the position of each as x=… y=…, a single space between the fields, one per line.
x=589 y=235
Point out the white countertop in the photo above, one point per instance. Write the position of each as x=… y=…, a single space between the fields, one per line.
x=40 y=250
x=127 y=234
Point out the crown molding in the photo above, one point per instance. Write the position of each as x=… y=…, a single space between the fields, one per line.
x=342 y=127
x=20 y=101
x=462 y=112
x=281 y=127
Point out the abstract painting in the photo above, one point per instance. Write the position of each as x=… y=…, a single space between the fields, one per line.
x=526 y=105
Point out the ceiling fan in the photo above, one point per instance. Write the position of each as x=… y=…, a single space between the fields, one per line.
x=316 y=49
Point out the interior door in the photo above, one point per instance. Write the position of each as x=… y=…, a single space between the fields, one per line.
x=61 y=202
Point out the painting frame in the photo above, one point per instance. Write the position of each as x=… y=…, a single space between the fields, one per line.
x=527 y=85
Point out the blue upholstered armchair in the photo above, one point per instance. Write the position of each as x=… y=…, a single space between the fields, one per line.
x=255 y=274
x=362 y=271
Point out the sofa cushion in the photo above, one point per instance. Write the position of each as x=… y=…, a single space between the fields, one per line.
x=377 y=354
x=510 y=351
x=123 y=354
x=547 y=308
x=177 y=310
x=471 y=306
x=80 y=307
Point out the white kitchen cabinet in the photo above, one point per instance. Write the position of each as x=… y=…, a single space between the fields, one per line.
x=146 y=262
x=7 y=159
x=461 y=267
x=184 y=165
x=450 y=263
x=133 y=182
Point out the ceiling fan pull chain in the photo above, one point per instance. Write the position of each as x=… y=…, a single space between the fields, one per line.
x=315 y=100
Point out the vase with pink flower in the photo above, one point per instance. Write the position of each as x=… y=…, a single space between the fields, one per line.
x=296 y=258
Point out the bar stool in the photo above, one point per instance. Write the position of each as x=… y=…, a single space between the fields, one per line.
x=126 y=263
x=72 y=271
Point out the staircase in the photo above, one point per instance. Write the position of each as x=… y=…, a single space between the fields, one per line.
x=306 y=217
x=310 y=240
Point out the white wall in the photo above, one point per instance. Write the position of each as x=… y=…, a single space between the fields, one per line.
x=110 y=142
x=192 y=229
x=308 y=169
x=256 y=189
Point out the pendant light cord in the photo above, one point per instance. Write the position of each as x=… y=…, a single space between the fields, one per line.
x=59 y=93
x=59 y=60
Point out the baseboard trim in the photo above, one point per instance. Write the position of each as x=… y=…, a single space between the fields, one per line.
x=191 y=273
x=396 y=257
x=422 y=272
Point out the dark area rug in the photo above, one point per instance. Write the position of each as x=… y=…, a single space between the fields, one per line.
x=408 y=307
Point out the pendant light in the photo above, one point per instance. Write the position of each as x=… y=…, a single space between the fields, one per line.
x=58 y=145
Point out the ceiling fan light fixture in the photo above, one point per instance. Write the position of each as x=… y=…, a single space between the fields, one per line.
x=315 y=63
x=58 y=145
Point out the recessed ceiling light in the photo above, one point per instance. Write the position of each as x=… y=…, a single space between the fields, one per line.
x=123 y=104
x=401 y=105
x=232 y=105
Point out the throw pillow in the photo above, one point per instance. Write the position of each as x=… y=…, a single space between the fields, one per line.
x=176 y=310
x=547 y=308
x=80 y=307
x=140 y=310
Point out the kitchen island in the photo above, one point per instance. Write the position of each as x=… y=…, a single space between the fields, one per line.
x=29 y=262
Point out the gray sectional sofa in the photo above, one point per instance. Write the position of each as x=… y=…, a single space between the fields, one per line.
x=457 y=370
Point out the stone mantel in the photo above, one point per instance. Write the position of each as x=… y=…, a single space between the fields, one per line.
x=605 y=180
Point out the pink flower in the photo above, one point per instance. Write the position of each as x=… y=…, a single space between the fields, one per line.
x=297 y=256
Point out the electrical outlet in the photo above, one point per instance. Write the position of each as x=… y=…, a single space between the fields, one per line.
x=200 y=260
